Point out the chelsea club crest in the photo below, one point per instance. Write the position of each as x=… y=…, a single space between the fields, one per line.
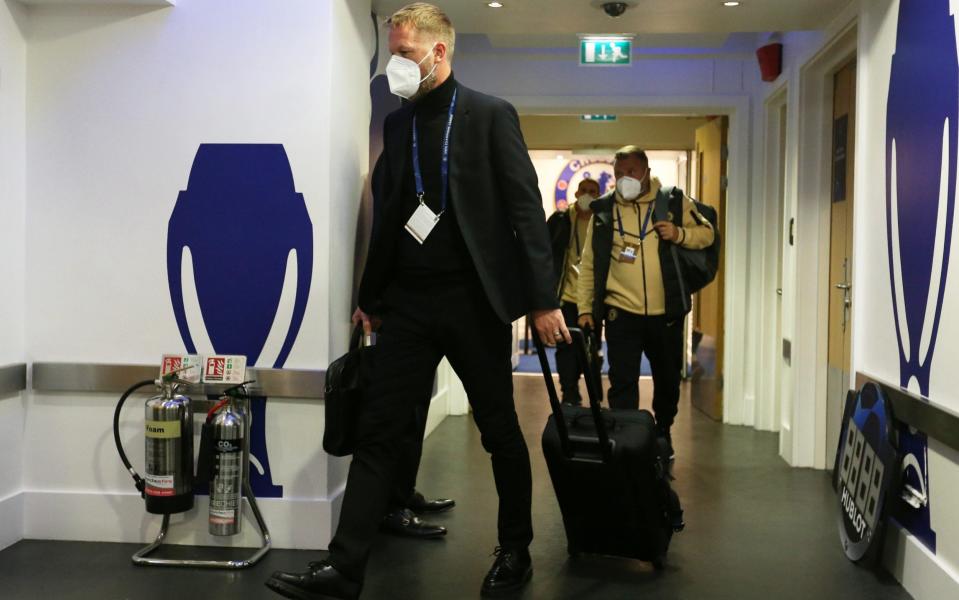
x=578 y=169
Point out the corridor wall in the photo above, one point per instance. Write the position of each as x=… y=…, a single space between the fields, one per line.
x=232 y=113
x=13 y=66
x=906 y=307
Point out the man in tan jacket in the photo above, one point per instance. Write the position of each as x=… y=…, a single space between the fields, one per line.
x=632 y=283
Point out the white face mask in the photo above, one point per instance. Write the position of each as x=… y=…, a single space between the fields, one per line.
x=404 y=75
x=629 y=187
x=584 y=200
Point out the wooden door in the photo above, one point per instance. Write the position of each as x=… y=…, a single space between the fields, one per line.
x=840 y=249
x=707 y=371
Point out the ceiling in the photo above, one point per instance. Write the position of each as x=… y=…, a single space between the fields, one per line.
x=531 y=20
x=104 y=2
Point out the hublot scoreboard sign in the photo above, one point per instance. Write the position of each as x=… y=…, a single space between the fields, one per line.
x=866 y=468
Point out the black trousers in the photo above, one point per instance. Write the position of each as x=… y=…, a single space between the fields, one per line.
x=628 y=336
x=419 y=328
x=566 y=364
x=409 y=462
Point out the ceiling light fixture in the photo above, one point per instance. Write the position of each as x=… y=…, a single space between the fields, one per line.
x=730 y=4
x=494 y=4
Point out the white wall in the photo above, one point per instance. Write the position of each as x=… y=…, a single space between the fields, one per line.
x=119 y=99
x=925 y=573
x=762 y=408
x=118 y=102
x=349 y=167
x=12 y=206
x=13 y=65
x=352 y=46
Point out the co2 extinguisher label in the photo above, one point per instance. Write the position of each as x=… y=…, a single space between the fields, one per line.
x=159 y=485
x=224 y=369
x=163 y=430
x=225 y=499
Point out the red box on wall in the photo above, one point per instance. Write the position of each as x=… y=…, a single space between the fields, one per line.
x=770 y=61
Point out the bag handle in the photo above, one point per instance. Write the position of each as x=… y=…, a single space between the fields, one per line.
x=558 y=417
x=579 y=349
x=594 y=391
x=358 y=340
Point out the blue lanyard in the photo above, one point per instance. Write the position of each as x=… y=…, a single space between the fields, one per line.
x=643 y=232
x=444 y=163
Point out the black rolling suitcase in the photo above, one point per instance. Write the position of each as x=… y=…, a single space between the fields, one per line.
x=610 y=472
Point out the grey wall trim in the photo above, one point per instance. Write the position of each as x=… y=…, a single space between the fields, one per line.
x=13 y=379
x=938 y=422
x=115 y=379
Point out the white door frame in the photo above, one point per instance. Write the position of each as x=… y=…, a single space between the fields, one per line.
x=738 y=217
x=773 y=235
x=809 y=289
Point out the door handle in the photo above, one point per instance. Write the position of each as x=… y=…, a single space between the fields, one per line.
x=779 y=291
x=843 y=286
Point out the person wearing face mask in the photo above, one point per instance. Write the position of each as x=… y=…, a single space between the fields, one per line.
x=568 y=229
x=459 y=250
x=631 y=284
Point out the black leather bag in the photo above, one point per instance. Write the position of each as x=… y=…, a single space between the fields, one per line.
x=346 y=380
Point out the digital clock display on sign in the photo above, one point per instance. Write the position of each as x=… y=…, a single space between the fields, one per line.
x=865 y=469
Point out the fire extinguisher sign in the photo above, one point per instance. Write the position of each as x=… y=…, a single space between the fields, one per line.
x=186 y=366
x=224 y=369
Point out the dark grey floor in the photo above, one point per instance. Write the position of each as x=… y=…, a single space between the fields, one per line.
x=756 y=529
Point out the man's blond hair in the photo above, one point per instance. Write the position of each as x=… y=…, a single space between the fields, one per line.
x=427 y=19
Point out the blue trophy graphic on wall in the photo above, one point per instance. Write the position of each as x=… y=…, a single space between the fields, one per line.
x=241 y=218
x=921 y=136
x=921 y=147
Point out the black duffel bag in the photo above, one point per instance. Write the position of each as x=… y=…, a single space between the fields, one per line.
x=345 y=384
x=699 y=267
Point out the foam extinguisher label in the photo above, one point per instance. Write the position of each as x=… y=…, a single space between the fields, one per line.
x=163 y=430
x=159 y=485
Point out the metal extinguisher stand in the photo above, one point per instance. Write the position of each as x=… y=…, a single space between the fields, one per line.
x=142 y=558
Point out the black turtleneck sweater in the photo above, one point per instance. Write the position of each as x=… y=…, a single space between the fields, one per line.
x=443 y=258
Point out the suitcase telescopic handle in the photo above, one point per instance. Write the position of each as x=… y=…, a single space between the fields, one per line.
x=558 y=417
x=593 y=388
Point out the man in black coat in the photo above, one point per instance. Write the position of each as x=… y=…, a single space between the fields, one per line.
x=460 y=249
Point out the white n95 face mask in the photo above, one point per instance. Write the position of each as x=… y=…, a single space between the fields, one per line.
x=404 y=75
x=629 y=188
x=584 y=200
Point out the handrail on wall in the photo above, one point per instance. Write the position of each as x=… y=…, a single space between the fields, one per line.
x=302 y=384
x=13 y=379
x=936 y=421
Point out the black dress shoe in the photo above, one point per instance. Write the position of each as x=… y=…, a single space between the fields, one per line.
x=419 y=504
x=403 y=522
x=512 y=569
x=320 y=582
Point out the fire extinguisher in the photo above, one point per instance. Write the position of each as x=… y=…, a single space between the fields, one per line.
x=223 y=460
x=167 y=485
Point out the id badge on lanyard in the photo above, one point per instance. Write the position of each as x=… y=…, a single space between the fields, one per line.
x=628 y=254
x=423 y=221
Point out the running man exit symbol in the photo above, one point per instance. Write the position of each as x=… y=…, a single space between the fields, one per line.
x=605 y=51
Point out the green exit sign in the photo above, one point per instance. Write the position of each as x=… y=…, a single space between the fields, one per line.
x=605 y=51
x=598 y=118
